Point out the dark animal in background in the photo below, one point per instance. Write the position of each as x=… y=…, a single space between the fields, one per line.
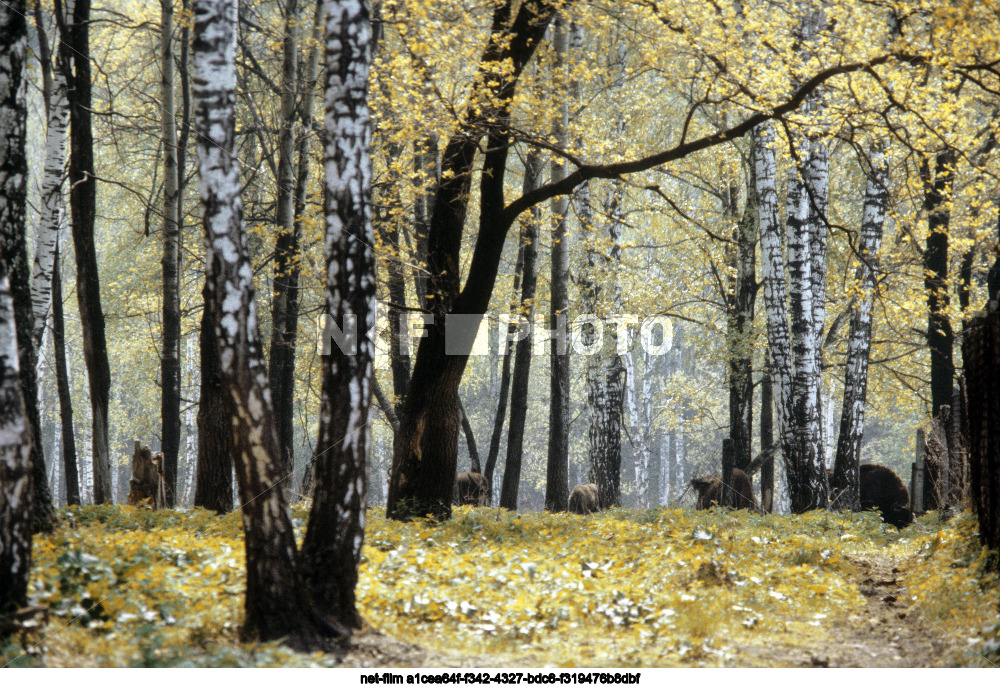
x=710 y=491
x=882 y=489
x=584 y=500
x=471 y=489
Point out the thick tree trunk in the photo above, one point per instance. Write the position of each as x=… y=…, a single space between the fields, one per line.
x=425 y=448
x=15 y=426
x=331 y=552
x=75 y=61
x=804 y=427
x=981 y=355
x=277 y=605
x=940 y=338
x=797 y=427
x=214 y=473
x=170 y=355
x=14 y=252
x=846 y=483
x=522 y=361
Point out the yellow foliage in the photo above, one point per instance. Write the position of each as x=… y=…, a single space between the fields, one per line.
x=662 y=587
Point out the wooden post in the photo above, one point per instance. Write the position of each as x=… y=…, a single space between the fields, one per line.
x=918 y=474
x=727 y=498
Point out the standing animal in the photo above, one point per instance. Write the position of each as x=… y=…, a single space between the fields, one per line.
x=584 y=499
x=710 y=491
x=882 y=489
x=471 y=489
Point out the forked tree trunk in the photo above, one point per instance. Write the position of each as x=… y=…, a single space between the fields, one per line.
x=797 y=441
x=331 y=551
x=425 y=448
x=277 y=604
x=15 y=428
x=847 y=468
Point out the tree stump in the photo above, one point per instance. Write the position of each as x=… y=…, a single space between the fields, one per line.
x=147 y=484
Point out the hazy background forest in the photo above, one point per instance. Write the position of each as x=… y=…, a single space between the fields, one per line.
x=627 y=80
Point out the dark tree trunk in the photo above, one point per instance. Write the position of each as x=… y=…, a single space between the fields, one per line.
x=62 y=384
x=470 y=440
x=981 y=354
x=15 y=426
x=740 y=325
x=170 y=355
x=508 y=350
x=767 y=440
x=214 y=474
x=74 y=59
x=284 y=300
x=940 y=338
x=522 y=361
x=331 y=552
x=425 y=448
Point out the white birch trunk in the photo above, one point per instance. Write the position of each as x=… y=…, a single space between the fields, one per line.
x=852 y=420
x=15 y=433
x=51 y=228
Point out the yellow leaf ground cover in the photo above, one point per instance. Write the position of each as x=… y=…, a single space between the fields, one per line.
x=131 y=587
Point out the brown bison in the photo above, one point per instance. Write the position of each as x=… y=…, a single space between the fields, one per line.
x=882 y=489
x=471 y=489
x=710 y=491
x=584 y=499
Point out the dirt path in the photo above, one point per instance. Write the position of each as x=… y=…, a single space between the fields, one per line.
x=884 y=634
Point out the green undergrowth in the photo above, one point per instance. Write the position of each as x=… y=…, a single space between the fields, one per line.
x=131 y=587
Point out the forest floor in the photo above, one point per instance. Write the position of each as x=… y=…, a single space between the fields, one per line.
x=884 y=634
x=627 y=588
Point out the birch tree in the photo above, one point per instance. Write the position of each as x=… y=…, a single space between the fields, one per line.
x=277 y=604
x=331 y=551
x=15 y=429
x=859 y=342
x=53 y=203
